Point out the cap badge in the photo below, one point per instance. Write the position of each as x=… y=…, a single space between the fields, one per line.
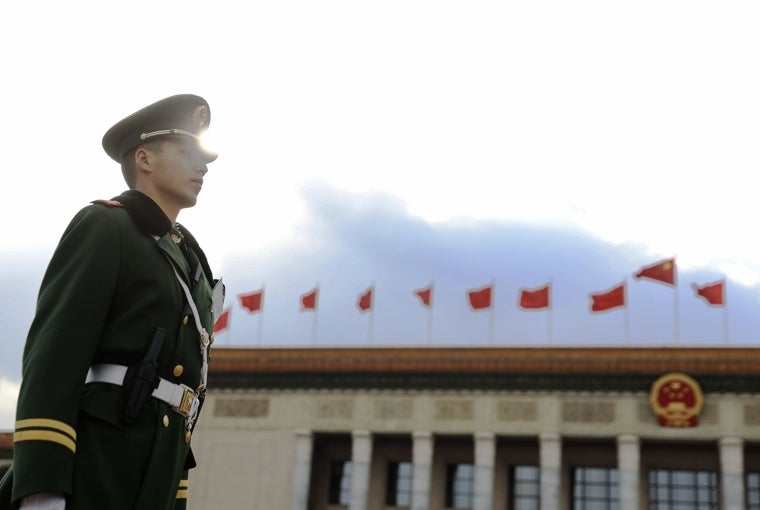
x=200 y=116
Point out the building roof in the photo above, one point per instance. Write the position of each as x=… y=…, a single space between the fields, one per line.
x=721 y=369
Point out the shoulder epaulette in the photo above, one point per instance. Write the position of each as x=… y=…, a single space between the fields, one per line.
x=108 y=203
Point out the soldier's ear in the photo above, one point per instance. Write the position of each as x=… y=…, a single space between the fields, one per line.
x=143 y=159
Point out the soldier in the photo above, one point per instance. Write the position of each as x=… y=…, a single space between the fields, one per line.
x=115 y=363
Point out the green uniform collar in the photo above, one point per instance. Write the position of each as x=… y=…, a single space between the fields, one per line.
x=149 y=218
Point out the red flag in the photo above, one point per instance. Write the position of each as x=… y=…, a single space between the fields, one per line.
x=365 y=300
x=222 y=322
x=425 y=296
x=535 y=299
x=480 y=299
x=309 y=300
x=713 y=293
x=663 y=271
x=613 y=298
x=252 y=301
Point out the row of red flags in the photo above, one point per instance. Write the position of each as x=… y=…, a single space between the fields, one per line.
x=529 y=299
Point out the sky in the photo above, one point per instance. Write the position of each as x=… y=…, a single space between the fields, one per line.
x=401 y=143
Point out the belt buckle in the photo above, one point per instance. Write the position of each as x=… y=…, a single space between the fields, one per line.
x=185 y=407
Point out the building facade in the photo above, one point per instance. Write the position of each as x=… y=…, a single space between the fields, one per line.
x=480 y=428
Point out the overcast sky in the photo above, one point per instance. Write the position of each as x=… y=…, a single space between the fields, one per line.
x=404 y=142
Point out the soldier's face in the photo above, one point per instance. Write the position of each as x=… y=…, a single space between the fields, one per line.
x=178 y=169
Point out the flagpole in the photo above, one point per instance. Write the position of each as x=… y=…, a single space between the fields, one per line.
x=550 y=315
x=725 y=313
x=491 y=316
x=314 y=319
x=371 y=314
x=314 y=328
x=260 y=331
x=626 y=312
x=430 y=315
x=676 y=318
x=227 y=329
x=725 y=325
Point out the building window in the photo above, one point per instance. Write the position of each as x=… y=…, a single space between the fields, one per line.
x=460 y=485
x=398 y=490
x=339 y=491
x=753 y=491
x=683 y=490
x=595 y=489
x=525 y=485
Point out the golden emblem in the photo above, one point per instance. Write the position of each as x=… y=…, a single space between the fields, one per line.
x=177 y=239
x=677 y=400
x=200 y=116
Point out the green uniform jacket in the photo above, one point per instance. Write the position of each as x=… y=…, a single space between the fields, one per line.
x=109 y=284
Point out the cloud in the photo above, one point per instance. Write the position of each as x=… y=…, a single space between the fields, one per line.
x=20 y=276
x=353 y=240
x=350 y=241
x=8 y=397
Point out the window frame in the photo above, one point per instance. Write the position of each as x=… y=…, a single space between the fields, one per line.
x=524 y=501
x=339 y=483
x=398 y=485
x=460 y=485
x=676 y=483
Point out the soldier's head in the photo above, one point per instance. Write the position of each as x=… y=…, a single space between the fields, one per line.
x=181 y=118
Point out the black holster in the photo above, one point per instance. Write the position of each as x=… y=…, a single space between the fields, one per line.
x=141 y=379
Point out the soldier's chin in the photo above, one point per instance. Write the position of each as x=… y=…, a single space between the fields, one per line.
x=191 y=201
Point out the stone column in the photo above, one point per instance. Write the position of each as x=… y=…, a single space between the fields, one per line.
x=732 y=473
x=629 y=456
x=485 y=455
x=422 y=459
x=301 y=470
x=361 y=458
x=550 y=449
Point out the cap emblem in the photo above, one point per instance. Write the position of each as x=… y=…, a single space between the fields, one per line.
x=200 y=116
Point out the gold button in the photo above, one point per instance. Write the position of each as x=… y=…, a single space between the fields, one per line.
x=187 y=437
x=166 y=421
x=184 y=321
x=178 y=370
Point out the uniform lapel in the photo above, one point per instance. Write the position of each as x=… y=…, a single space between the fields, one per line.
x=172 y=250
x=149 y=217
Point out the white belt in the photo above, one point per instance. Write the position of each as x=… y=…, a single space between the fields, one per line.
x=182 y=398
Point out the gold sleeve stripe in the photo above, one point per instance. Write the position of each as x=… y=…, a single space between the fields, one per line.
x=183 y=484
x=45 y=435
x=47 y=424
x=182 y=494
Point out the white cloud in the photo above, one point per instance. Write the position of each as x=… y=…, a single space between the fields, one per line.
x=8 y=398
x=354 y=239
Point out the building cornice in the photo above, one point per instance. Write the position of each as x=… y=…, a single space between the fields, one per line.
x=719 y=369
x=578 y=360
